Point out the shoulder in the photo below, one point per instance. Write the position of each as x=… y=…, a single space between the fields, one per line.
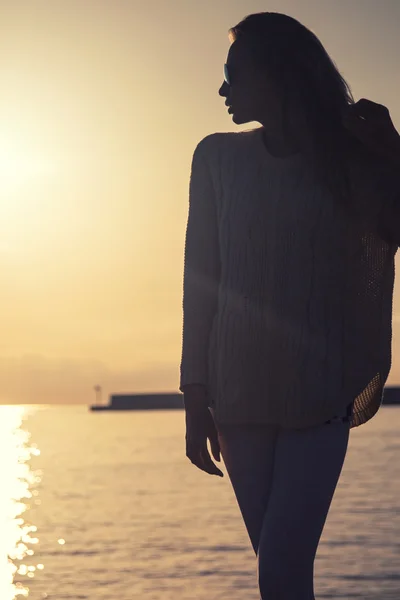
x=212 y=141
x=215 y=146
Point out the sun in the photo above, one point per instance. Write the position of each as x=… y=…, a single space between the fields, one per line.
x=21 y=160
x=26 y=169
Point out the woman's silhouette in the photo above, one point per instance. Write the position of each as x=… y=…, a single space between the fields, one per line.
x=288 y=282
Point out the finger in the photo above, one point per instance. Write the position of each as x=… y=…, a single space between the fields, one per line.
x=211 y=467
x=195 y=453
x=199 y=462
x=365 y=105
x=353 y=114
x=368 y=106
x=215 y=448
x=357 y=127
x=366 y=109
x=214 y=440
x=195 y=456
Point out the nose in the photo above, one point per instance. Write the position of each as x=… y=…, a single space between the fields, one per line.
x=223 y=90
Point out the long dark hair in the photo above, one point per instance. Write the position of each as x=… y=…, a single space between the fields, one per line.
x=312 y=89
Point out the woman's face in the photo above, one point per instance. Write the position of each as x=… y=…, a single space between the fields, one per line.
x=252 y=95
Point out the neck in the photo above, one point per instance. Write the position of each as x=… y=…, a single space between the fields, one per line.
x=278 y=144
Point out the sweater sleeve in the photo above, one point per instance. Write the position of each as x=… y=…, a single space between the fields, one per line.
x=382 y=181
x=377 y=182
x=201 y=272
x=389 y=216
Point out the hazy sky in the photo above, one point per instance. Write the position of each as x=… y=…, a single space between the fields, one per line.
x=102 y=103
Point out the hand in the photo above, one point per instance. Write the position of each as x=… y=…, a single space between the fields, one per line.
x=371 y=124
x=200 y=426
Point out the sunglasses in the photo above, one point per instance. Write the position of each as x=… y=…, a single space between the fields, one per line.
x=227 y=79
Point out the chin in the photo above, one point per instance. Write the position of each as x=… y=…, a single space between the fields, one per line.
x=239 y=119
x=236 y=118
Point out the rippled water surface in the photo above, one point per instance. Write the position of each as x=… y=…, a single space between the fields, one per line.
x=107 y=506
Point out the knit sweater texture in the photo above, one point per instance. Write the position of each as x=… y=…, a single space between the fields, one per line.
x=287 y=303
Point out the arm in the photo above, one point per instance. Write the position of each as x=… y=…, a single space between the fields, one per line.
x=370 y=123
x=389 y=216
x=201 y=273
x=376 y=193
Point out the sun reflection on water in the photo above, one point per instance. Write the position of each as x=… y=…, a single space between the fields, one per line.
x=17 y=492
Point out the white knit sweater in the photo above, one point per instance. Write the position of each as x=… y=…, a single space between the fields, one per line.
x=287 y=306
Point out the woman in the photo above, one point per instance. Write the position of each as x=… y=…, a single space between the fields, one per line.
x=288 y=280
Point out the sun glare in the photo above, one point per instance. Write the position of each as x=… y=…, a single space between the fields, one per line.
x=17 y=480
x=21 y=161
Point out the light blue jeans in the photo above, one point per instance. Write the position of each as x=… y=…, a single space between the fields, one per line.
x=284 y=481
